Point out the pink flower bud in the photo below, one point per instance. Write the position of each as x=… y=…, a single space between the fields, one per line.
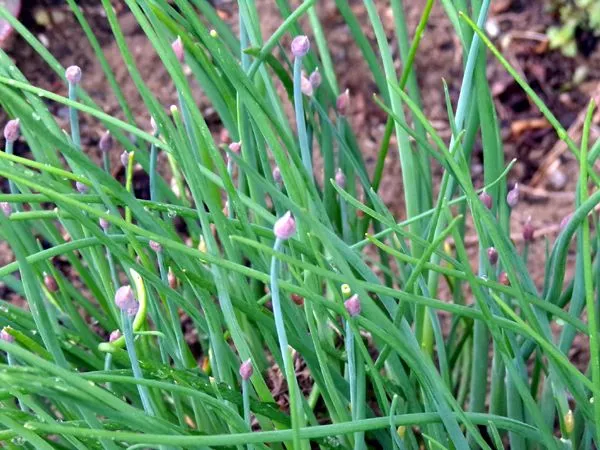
x=528 y=231
x=246 y=369
x=277 y=175
x=486 y=199
x=6 y=208
x=235 y=147
x=6 y=336
x=106 y=142
x=492 y=255
x=285 y=227
x=125 y=159
x=125 y=300
x=503 y=279
x=12 y=130
x=353 y=305
x=177 y=47
x=305 y=86
x=315 y=79
x=114 y=335
x=81 y=187
x=155 y=246
x=300 y=46
x=50 y=283
x=73 y=74
x=512 y=198
x=224 y=136
x=342 y=104
x=340 y=178
x=172 y=279
x=297 y=299
x=104 y=224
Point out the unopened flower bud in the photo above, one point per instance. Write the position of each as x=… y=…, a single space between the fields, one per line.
x=512 y=198
x=277 y=174
x=528 y=231
x=172 y=279
x=6 y=208
x=73 y=74
x=50 y=283
x=155 y=246
x=300 y=46
x=340 y=178
x=106 y=142
x=346 y=291
x=486 y=199
x=202 y=245
x=104 y=224
x=81 y=187
x=305 y=86
x=297 y=299
x=12 y=130
x=401 y=430
x=177 y=47
x=492 y=255
x=315 y=79
x=125 y=300
x=569 y=422
x=246 y=370
x=6 y=336
x=125 y=159
x=153 y=125
x=342 y=104
x=235 y=147
x=503 y=279
x=285 y=227
x=114 y=335
x=224 y=136
x=353 y=305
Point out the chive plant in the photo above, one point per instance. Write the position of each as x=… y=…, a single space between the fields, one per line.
x=286 y=270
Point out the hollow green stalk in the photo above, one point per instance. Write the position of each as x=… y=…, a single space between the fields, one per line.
x=10 y=359
x=246 y=405
x=591 y=306
x=135 y=364
x=8 y=149
x=284 y=346
x=107 y=367
x=153 y=175
x=344 y=217
x=74 y=116
x=353 y=361
x=300 y=120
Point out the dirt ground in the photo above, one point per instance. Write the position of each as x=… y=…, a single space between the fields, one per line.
x=546 y=172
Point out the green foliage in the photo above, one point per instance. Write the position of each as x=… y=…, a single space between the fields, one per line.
x=383 y=371
x=573 y=14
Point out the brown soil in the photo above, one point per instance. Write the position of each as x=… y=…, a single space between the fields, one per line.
x=525 y=134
